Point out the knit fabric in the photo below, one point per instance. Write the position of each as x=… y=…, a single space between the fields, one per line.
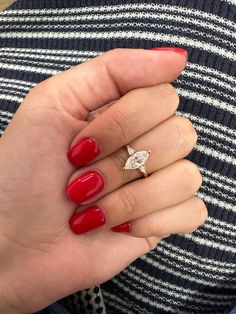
x=191 y=273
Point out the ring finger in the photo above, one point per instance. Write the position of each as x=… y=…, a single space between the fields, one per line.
x=170 y=141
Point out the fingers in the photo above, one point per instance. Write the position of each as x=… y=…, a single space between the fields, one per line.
x=184 y=217
x=172 y=140
x=134 y=114
x=94 y=83
x=165 y=188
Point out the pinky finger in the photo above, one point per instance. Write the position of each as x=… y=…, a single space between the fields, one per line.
x=184 y=217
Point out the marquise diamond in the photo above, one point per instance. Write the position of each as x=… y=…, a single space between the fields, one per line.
x=137 y=160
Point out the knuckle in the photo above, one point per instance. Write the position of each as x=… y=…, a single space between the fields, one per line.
x=120 y=122
x=202 y=210
x=183 y=132
x=199 y=215
x=192 y=175
x=168 y=91
x=152 y=242
x=127 y=203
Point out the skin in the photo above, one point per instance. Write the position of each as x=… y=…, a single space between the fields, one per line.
x=41 y=259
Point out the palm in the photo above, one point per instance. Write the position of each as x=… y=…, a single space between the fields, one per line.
x=39 y=171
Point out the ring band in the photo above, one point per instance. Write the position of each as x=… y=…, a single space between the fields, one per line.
x=137 y=160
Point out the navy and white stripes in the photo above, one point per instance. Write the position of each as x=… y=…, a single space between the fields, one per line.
x=193 y=273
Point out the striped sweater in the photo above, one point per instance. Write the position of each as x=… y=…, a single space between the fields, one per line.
x=191 y=273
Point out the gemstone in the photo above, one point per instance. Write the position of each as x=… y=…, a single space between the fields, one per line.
x=131 y=151
x=137 y=160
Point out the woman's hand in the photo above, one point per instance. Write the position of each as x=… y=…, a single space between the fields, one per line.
x=42 y=260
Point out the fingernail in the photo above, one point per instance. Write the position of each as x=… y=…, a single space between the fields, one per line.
x=89 y=219
x=125 y=227
x=165 y=236
x=85 y=186
x=83 y=152
x=174 y=49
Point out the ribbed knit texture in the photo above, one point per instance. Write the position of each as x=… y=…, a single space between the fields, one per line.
x=192 y=273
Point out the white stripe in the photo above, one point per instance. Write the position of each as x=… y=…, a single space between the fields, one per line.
x=4 y=119
x=129 y=15
x=218 y=176
x=217 y=202
x=212 y=244
x=6 y=113
x=183 y=275
x=43 y=57
x=218 y=193
x=208 y=100
x=218 y=145
x=2 y=90
x=199 y=262
x=174 y=264
x=10 y=80
x=11 y=98
x=220 y=230
x=14 y=87
x=147 y=300
x=131 y=280
x=214 y=133
x=198 y=295
x=216 y=236
x=25 y=68
x=37 y=63
x=114 y=8
x=201 y=259
x=169 y=289
x=211 y=71
x=213 y=153
x=53 y=51
x=214 y=125
x=128 y=35
x=212 y=80
x=121 y=304
x=219 y=185
x=215 y=221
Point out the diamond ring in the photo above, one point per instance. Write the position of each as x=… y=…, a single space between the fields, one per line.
x=137 y=160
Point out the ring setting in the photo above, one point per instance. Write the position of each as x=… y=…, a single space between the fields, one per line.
x=137 y=160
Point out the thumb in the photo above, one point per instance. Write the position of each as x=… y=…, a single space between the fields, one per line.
x=108 y=77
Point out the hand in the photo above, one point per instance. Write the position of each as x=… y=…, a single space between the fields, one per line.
x=42 y=259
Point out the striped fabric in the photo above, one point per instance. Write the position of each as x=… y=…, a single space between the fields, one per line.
x=192 y=273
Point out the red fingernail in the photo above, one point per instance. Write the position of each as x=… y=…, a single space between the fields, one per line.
x=83 y=152
x=85 y=186
x=89 y=219
x=125 y=227
x=175 y=49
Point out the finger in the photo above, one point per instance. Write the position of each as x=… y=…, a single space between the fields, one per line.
x=94 y=83
x=184 y=217
x=134 y=114
x=162 y=189
x=172 y=140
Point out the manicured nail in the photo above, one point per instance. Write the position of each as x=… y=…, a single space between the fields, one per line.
x=83 y=152
x=85 y=186
x=175 y=49
x=89 y=219
x=125 y=227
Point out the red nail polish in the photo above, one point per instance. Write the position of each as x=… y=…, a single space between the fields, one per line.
x=89 y=219
x=85 y=186
x=125 y=227
x=83 y=152
x=174 y=49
